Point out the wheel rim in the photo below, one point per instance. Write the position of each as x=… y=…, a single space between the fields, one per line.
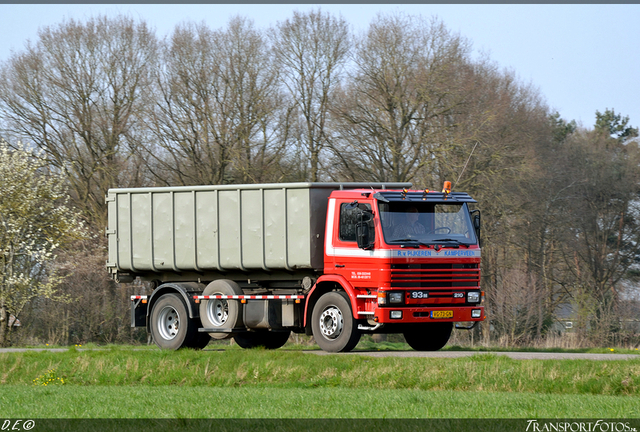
x=218 y=312
x=168 y=323
x=331 y=322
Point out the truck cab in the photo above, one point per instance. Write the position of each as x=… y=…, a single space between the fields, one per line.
x=409 y=261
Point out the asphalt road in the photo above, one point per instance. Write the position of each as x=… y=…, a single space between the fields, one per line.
x=513 y=355
x=435 y=354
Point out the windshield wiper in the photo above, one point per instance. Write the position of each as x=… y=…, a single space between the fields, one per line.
x=414 y=243
x=450 y=240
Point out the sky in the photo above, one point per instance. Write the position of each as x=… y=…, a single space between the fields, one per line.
x=582 y=58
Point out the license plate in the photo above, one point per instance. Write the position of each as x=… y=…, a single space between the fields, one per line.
x=442 y=314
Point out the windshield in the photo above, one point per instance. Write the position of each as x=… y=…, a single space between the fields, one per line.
x=426 y=223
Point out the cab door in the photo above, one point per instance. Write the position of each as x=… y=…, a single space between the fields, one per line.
x=349 y=260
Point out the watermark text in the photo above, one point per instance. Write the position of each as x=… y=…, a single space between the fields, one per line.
x=579 y=426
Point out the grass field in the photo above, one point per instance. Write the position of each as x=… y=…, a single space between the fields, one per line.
x=233 y=383
x=267 y=402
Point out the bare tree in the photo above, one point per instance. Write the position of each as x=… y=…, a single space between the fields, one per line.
x=490 y=151
x=216 y=119
x=260 y=120
x=311 y=51
x=390 y=112
x=602 y=233
x=515 y=307
x=574 y=224
x=77 y=94
x=97 y=309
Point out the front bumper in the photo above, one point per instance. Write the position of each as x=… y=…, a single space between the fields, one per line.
x=411 y=315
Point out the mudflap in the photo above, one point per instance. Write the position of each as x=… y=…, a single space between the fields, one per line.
x=138 y=313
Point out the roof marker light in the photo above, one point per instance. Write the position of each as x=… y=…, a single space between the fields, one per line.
x=446 y=189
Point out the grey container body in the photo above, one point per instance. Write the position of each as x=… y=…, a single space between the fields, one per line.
x=216 y=230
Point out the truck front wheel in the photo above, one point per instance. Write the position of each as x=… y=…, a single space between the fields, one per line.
x=171 y=327
x=429 y=337
x=332 y=323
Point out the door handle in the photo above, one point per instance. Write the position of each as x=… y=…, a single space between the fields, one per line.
x=339 y=265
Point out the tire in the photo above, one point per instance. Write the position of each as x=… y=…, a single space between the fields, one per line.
x=218 y=313
x=332 y=323
x=266 y=339
x=429 y=337
x=171 y=327
x=200 y=341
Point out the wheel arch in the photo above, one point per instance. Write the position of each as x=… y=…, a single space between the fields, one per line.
x=323 y=285
x=185 y=290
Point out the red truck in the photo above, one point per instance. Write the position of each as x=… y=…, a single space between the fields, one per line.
x=332 y=260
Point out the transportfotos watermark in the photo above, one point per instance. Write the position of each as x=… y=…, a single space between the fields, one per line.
x=579 y=426
x=17 y=425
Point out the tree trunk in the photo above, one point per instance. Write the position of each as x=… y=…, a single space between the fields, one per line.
x=3 y=327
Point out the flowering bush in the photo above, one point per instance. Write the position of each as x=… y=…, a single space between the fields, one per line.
x=35 y=220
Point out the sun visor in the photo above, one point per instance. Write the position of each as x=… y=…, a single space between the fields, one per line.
x=424 y=196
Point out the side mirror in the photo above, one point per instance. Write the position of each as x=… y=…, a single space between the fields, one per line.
x=362 y=235
x=477 y=223
x=362 y=230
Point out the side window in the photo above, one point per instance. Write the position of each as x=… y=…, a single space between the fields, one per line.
x=348 y=220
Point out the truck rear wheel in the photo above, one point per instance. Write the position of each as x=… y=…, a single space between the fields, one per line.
x=266 y=339
x=221 y=313
x=332 y=323
x=171 y=327
x=200 y=341
x=429 y=337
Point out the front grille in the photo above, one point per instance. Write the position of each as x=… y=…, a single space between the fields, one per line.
x=435 y=275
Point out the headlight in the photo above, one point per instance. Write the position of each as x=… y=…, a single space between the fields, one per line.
x=395 y=297
x=473 y=297
x=395 y=314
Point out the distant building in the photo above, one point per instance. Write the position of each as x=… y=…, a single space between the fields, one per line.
x=13 y=321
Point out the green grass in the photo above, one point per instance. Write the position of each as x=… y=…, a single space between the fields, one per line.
x=229 y=383
x=291 y=369
x=69 y=401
